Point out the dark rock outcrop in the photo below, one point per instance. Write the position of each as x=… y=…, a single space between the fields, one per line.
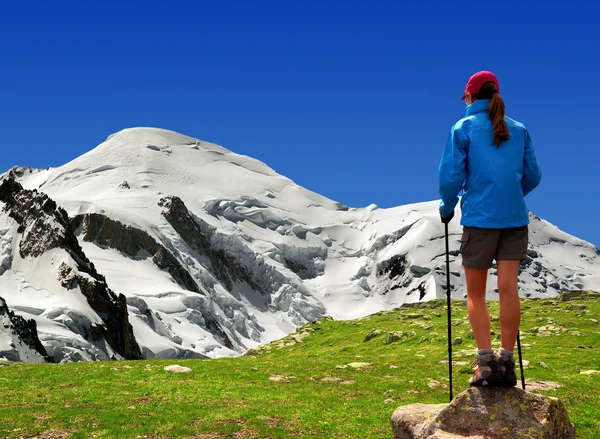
x=44 y=226
x=26 y=330
x=107 y=232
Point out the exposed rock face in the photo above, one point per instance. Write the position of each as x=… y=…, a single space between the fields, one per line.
x=104 y=231
x=197 y=234
x=27 y=337
x=44 y=226
x=486 y=413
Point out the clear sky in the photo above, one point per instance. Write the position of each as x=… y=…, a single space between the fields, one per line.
x=350 y=99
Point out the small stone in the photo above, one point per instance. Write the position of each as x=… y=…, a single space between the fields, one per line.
x=277 y=377
x=331 y=379
x=412 y=316
x=542 y=385
x=176 y=368
x=589 y=372
x=388 y=401
x=576 y=307
x=433 y=384
x=393 y=366
x=593 y=320
x=372 y=334
x=457 y=341
x=470 y=335
x=542 y=364
x=358 y=365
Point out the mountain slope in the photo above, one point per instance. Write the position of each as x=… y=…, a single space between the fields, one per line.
x=215 y=253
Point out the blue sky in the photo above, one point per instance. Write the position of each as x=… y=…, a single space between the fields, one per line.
x=350 y=99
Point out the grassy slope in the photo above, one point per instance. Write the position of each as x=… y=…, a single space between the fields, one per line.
x=236 y=397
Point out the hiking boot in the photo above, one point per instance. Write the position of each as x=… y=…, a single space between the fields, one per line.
x=487 y=373
x=506 y=365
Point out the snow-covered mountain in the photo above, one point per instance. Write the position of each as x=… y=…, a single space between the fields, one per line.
x=159 y=245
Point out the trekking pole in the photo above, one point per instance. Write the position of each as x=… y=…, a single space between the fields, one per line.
x=448 y=288
x=520 y=358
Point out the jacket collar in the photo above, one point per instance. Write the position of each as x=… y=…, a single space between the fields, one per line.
x=476 y=107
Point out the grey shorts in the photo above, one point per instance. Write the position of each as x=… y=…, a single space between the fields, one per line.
x=479 y=247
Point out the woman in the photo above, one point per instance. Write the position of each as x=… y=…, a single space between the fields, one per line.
x=490 y=159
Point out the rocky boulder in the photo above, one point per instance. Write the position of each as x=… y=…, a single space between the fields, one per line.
x=480 y=413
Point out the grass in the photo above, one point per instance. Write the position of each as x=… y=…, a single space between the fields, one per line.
x=278 y=391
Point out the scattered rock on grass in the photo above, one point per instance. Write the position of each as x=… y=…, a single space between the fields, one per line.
x=358 y=365
x=542 y=385
x=372 y=334
x=176 y=368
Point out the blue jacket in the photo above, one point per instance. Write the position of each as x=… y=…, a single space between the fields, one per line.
x=493 y=181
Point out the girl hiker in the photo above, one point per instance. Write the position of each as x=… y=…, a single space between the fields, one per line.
x=490 y=159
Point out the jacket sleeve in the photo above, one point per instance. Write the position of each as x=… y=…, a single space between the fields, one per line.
x=532 y=174
x=453 y=168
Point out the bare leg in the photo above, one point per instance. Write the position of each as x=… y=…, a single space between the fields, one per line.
x=477 y=306
x=510 y=305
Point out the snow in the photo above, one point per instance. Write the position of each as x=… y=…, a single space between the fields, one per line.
x=313 y=255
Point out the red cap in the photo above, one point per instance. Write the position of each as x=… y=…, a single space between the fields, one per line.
x=477 y=80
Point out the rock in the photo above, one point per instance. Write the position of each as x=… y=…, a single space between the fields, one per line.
x=481 y=413
x=394 y=336
x=542 y=385
x=576 y=307
x=176 y=368
x=433 y=383
x=457 y=341
x=408 y=421
x=455 y=363
x=577 y=294
x=331 y=379
x=388 y=401
x=372 y=334
x=358 y=365
x=593 y=320
x=589 y=372
x=542 y=364
x=418 y=271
